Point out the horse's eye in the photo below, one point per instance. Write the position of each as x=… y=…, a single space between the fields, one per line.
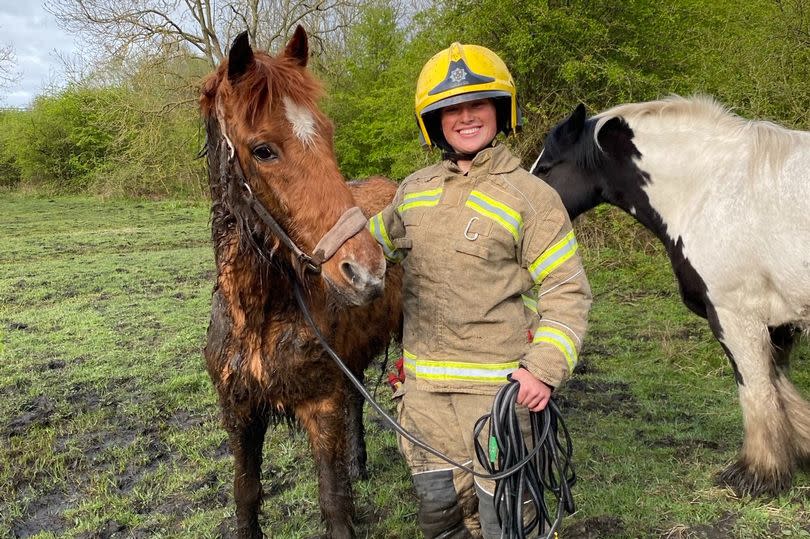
x=263 y=152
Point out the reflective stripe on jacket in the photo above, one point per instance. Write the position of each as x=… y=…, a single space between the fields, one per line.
x=487 y=256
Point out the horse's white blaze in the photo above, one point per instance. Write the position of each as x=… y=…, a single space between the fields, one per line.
x=302 y=121
x=743 y=213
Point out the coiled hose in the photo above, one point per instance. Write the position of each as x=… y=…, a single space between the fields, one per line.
x=549 y=470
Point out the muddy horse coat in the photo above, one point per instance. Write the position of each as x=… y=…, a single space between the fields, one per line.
x=730 y=200
x=270 y=152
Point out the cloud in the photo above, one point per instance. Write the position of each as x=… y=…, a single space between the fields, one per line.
x=37 y=41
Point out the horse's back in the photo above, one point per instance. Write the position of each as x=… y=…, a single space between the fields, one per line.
x=373 y=194
x=750 y=241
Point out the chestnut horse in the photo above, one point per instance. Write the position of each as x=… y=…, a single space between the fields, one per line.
x=730 y=200
x=271 y=160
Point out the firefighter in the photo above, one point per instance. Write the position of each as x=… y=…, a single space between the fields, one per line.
x=490 y=258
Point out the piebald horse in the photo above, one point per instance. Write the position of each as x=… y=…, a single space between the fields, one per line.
x=282 y=214
x=730 y=200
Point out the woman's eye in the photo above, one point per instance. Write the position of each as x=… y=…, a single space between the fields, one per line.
x=264 y=153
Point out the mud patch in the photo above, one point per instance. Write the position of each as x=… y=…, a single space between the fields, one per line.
x=215 y=493
x=17 y=326
x=685 y=449
x=598 y=396
x=36 y=413
x=722 y=528
x=222 y=451
x=155 y=452
x=599 y=527
x=182 y=419
x=43 y=515
x=109 y=530
x=586 y=366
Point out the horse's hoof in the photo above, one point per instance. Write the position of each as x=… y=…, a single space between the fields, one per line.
x=744 y=480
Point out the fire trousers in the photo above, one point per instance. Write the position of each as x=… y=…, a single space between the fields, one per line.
x=452 y=503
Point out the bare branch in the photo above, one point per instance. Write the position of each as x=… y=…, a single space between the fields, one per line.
x=8 y=63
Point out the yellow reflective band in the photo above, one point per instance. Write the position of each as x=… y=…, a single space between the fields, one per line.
x=420 y=198
x=497 y=211
x=458 y=371
x=376 y=226
x=559 y=339
x=554 y=257
x=530 y=302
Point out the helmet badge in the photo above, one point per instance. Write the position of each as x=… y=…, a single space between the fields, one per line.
x=459 y=74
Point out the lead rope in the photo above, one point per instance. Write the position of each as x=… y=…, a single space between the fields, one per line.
x=520 y=473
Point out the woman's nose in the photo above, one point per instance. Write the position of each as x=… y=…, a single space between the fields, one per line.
x=466 y=114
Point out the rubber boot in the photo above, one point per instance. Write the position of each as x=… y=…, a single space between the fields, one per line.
x=439 y=515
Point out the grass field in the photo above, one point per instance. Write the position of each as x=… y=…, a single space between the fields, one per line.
x=109 y=424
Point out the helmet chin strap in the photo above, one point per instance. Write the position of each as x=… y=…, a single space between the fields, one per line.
x=461 y=156
x=455 y=156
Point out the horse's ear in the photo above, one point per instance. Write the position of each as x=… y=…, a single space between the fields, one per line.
x=240 y=58
x=298 y=47
x=615 y=137
x=573 y=126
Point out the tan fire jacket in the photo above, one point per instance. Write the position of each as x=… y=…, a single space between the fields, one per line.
x=493 y=280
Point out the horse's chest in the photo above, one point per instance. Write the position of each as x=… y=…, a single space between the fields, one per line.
x=294 y=364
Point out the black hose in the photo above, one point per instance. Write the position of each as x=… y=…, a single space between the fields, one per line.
x=550 y=469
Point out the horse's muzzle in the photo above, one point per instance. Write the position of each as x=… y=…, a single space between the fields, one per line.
x=366 y=286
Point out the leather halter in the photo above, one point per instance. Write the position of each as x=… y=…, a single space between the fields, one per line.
x=347 y=226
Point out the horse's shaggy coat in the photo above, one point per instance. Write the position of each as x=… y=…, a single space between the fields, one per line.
x=265 y=361
x=730 y=200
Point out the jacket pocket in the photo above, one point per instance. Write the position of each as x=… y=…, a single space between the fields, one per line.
x=475 y=249
x=476 y=238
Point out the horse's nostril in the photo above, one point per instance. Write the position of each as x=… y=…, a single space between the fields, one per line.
x=350 y=272
x=361 y=279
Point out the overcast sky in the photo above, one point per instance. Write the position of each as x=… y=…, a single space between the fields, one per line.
x=36 y=39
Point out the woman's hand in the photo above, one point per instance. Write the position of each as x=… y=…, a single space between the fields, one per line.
x=533 y=394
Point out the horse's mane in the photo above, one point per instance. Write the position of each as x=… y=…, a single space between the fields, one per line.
x=268 y=80
x=770 y=142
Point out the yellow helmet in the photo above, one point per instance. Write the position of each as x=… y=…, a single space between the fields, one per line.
x=462 y=73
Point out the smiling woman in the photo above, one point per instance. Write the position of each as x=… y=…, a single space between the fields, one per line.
x=479 y=239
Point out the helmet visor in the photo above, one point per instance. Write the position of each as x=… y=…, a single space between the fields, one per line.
x=463 y=98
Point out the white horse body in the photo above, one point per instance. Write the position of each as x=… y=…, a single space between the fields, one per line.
x=751 y=243
x=730 y=200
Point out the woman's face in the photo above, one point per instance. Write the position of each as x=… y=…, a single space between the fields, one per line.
x=469 y=126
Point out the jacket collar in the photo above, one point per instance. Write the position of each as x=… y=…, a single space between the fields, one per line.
x=495 y=159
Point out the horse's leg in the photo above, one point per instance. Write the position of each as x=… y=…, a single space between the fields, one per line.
x=766 y=462
x=324 y=420
x=796 y=408
x=246 y=439
x=356 y=432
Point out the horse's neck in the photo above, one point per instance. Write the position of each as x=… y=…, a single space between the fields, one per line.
x=677 y=174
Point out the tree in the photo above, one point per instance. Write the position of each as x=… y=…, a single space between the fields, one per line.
x=142 y=27
x=8 y=62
